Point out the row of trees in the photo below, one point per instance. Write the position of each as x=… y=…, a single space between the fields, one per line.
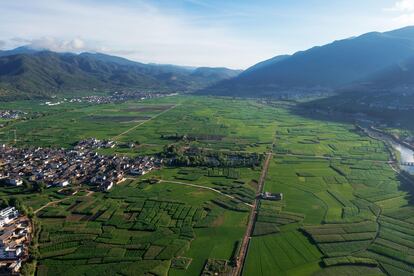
x=194 y=156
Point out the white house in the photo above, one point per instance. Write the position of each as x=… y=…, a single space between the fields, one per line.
x=7 y=215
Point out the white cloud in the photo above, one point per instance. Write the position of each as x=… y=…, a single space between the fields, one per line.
x=54 y=44
x=404 y=13
x=140 y=32
x=403 y=6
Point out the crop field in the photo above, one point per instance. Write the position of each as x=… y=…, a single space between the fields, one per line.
x=355 y=209
x=136 y=228
x=344 y=210
x=210 y=123
x=64 y=127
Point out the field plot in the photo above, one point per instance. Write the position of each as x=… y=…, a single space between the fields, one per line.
x=202 y=122
x=213 y=123
x=136 y=229
x=278 y=254
x=67 y=125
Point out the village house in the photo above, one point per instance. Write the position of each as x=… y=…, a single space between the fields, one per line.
x=272 y=196
x=7 y=215
x=15 y=232
x=14 y=181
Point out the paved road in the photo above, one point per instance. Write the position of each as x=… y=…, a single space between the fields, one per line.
x=252 y=219
x=140 y=124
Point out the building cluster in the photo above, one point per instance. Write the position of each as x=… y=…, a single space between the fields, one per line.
x=113 y=98
x=62 y=167
x=11 y=114
x=15 y=232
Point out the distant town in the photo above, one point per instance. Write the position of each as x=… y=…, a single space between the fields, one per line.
x=115 y=97
x=62 y=167
x=11 y=114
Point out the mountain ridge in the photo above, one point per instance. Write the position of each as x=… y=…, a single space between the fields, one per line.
x=327 y=67
x=40 y=73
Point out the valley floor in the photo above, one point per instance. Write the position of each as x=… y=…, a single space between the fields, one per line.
x=344 y=210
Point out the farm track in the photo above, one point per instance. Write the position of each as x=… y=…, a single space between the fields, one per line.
x=58 y=201
x=206 y=188
x=238 y=270
x=141 y=123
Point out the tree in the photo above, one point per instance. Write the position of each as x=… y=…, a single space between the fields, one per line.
x=16 y=202
x=4 y=202
x=40 y=187
x=27 y=185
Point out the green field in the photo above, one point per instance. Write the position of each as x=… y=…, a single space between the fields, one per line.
x=344 y=210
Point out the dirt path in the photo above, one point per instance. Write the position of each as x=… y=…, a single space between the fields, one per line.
x=48 y=204
x=204 y=187
x=58 y=201
x=252 y=219
x=141 y=123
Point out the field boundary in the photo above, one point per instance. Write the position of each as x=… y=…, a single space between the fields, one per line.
x=141 y=123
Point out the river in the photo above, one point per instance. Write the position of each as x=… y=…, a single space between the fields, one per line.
x=406 y=154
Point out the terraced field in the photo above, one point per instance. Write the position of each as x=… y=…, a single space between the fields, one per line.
x=126 y=231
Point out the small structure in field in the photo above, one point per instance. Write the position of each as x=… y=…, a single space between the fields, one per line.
x=271 y=196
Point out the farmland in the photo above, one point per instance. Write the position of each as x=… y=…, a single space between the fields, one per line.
x=344 y=210
x=349 y=197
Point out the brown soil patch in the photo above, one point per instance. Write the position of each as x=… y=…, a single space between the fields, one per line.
x=254 y=184
x=149 y=108
x=219 y=221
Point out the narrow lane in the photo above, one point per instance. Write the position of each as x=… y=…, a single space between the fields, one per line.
x=238 y=270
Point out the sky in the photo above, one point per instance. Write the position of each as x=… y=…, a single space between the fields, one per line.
x=216 y=33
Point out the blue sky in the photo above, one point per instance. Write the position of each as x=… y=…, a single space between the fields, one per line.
x=231 y=33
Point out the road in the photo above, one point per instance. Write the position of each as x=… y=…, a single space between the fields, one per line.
x=252 y=219
x=204 y=187
x=141 y=123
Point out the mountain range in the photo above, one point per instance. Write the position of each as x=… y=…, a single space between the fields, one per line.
x=367 y=59
x=31 y=73
x=371 y=62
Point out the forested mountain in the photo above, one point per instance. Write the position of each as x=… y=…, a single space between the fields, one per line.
x=324 y=68
x=25 y=72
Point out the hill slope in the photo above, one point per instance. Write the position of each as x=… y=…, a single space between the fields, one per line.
x=387 y=95
x=323 y=68
x=43 y=73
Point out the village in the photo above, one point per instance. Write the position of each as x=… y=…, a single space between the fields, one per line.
x=115 y=97
x=77 y=166
x=11 y=114
x=15 y=233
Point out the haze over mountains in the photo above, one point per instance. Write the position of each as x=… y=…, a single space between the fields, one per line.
x=363 y=59
x=373 y=61
x=30 y=73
